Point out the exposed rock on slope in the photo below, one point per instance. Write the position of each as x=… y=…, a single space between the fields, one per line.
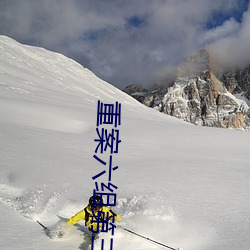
x=198 y=96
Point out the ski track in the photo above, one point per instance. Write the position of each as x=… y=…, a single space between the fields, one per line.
x=143 y=214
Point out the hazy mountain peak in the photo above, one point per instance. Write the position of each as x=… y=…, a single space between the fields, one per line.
x=201 y=96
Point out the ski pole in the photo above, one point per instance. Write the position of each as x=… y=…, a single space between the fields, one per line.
x=159 y=243
x=45 y=228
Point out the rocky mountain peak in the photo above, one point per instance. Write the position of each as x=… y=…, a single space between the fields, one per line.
x=200 y=96
x=196 y=64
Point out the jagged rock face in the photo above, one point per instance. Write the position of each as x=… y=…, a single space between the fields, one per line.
x=237 y=81
x=205 y=102
x=137 y=91
x=199 y=97
x=133 y=88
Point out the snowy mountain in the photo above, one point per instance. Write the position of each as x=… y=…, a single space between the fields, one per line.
x=237 y=81
x=201 y=96
x=182 y=185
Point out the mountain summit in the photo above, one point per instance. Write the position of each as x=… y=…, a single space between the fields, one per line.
x=202 y=97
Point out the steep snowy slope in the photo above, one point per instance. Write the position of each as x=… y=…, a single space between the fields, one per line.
x=182 y=185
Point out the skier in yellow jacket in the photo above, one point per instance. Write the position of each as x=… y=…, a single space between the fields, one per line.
x=91 y=220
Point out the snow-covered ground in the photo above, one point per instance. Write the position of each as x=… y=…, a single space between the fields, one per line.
x=179 y=184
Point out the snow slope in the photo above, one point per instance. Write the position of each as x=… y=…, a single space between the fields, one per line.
x=179 y=184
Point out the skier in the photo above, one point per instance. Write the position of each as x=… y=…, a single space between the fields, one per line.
x=94 y=215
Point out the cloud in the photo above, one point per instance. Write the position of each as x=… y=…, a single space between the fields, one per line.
x=228 y=28
x=233 y=49
x=124 y=42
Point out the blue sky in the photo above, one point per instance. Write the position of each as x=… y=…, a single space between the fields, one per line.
x=218 y=17
x=131 y=41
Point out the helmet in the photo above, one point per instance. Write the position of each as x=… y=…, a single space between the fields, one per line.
x=96 y=201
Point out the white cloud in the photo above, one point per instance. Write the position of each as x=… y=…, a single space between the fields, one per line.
x=233 y=50
x=97 y=32
x=228 y=28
